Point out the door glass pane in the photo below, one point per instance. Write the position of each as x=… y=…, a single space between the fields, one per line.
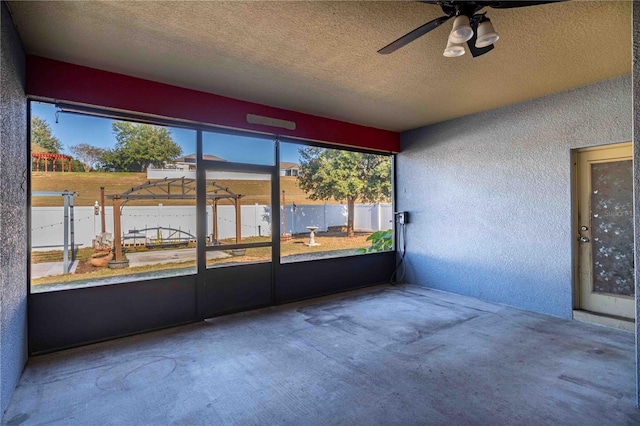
x=612 y=227
x=238 y=212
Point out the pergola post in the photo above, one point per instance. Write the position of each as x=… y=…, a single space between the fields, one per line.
x=117 y=239
x=65 y=253
x=238 y=218
x=214 y=219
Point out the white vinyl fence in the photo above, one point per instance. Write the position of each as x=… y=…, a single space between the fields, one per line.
x=48 y=227
x=367 y=217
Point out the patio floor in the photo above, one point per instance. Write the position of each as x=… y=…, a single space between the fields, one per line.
x=382 y=355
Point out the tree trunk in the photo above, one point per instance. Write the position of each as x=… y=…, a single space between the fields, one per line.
x=351 y=205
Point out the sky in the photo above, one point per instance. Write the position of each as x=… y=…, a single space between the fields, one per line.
x=74 y=129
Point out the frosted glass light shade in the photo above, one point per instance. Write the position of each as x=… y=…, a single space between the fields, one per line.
x=453 y=49
x=486 y=34
x=461 y=31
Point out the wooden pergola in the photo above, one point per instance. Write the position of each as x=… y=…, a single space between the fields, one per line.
x=173 y=189
x=48 y=156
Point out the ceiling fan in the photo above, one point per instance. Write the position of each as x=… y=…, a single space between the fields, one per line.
x=468 y=26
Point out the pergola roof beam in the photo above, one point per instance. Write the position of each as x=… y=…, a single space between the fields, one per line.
x=163 y=187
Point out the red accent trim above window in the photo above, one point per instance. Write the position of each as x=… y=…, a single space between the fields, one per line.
x=65 y=82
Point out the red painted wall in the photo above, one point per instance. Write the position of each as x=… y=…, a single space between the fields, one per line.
x=67 y=82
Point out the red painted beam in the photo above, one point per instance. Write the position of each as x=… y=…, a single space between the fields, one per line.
x=65 y=82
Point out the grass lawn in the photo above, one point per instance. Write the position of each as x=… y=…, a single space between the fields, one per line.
x=87 y=185
x=329 y=242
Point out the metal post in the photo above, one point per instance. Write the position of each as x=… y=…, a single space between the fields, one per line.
x=201 y=229
x=276 y=211
x=117 y=239
x=65 y=252
x=102 y=218
x=72 y=227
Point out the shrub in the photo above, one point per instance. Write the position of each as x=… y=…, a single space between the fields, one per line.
x=380 y=241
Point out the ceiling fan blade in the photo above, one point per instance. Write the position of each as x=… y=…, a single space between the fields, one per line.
x=409 y=37
x=514 y=4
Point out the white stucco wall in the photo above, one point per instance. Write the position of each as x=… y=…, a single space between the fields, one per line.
x=490 y=195
x=13 y=212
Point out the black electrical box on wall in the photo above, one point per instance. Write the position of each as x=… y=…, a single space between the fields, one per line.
x=402 y=217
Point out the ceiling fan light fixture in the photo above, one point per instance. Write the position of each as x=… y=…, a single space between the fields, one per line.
x=461 y=31
x=453 y=50
x=486 y=34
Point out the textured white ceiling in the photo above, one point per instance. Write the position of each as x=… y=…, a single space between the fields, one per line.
x=320 y=57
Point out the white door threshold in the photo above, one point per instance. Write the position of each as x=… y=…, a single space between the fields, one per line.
x=605 y=320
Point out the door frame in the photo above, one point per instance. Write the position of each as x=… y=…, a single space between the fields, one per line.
x=575 y=224
x=253 y=276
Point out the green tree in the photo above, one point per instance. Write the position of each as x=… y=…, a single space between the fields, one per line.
x=345 y=176
x=42 y=140
x=88 y=155
x=77 y=166
x=138 y=146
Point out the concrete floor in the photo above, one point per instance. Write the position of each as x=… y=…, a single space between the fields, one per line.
x=145 y=258
x=46 y=269
x=384 y=355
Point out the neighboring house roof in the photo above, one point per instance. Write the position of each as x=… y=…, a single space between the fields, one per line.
x=285 y=165
x=191 y=158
